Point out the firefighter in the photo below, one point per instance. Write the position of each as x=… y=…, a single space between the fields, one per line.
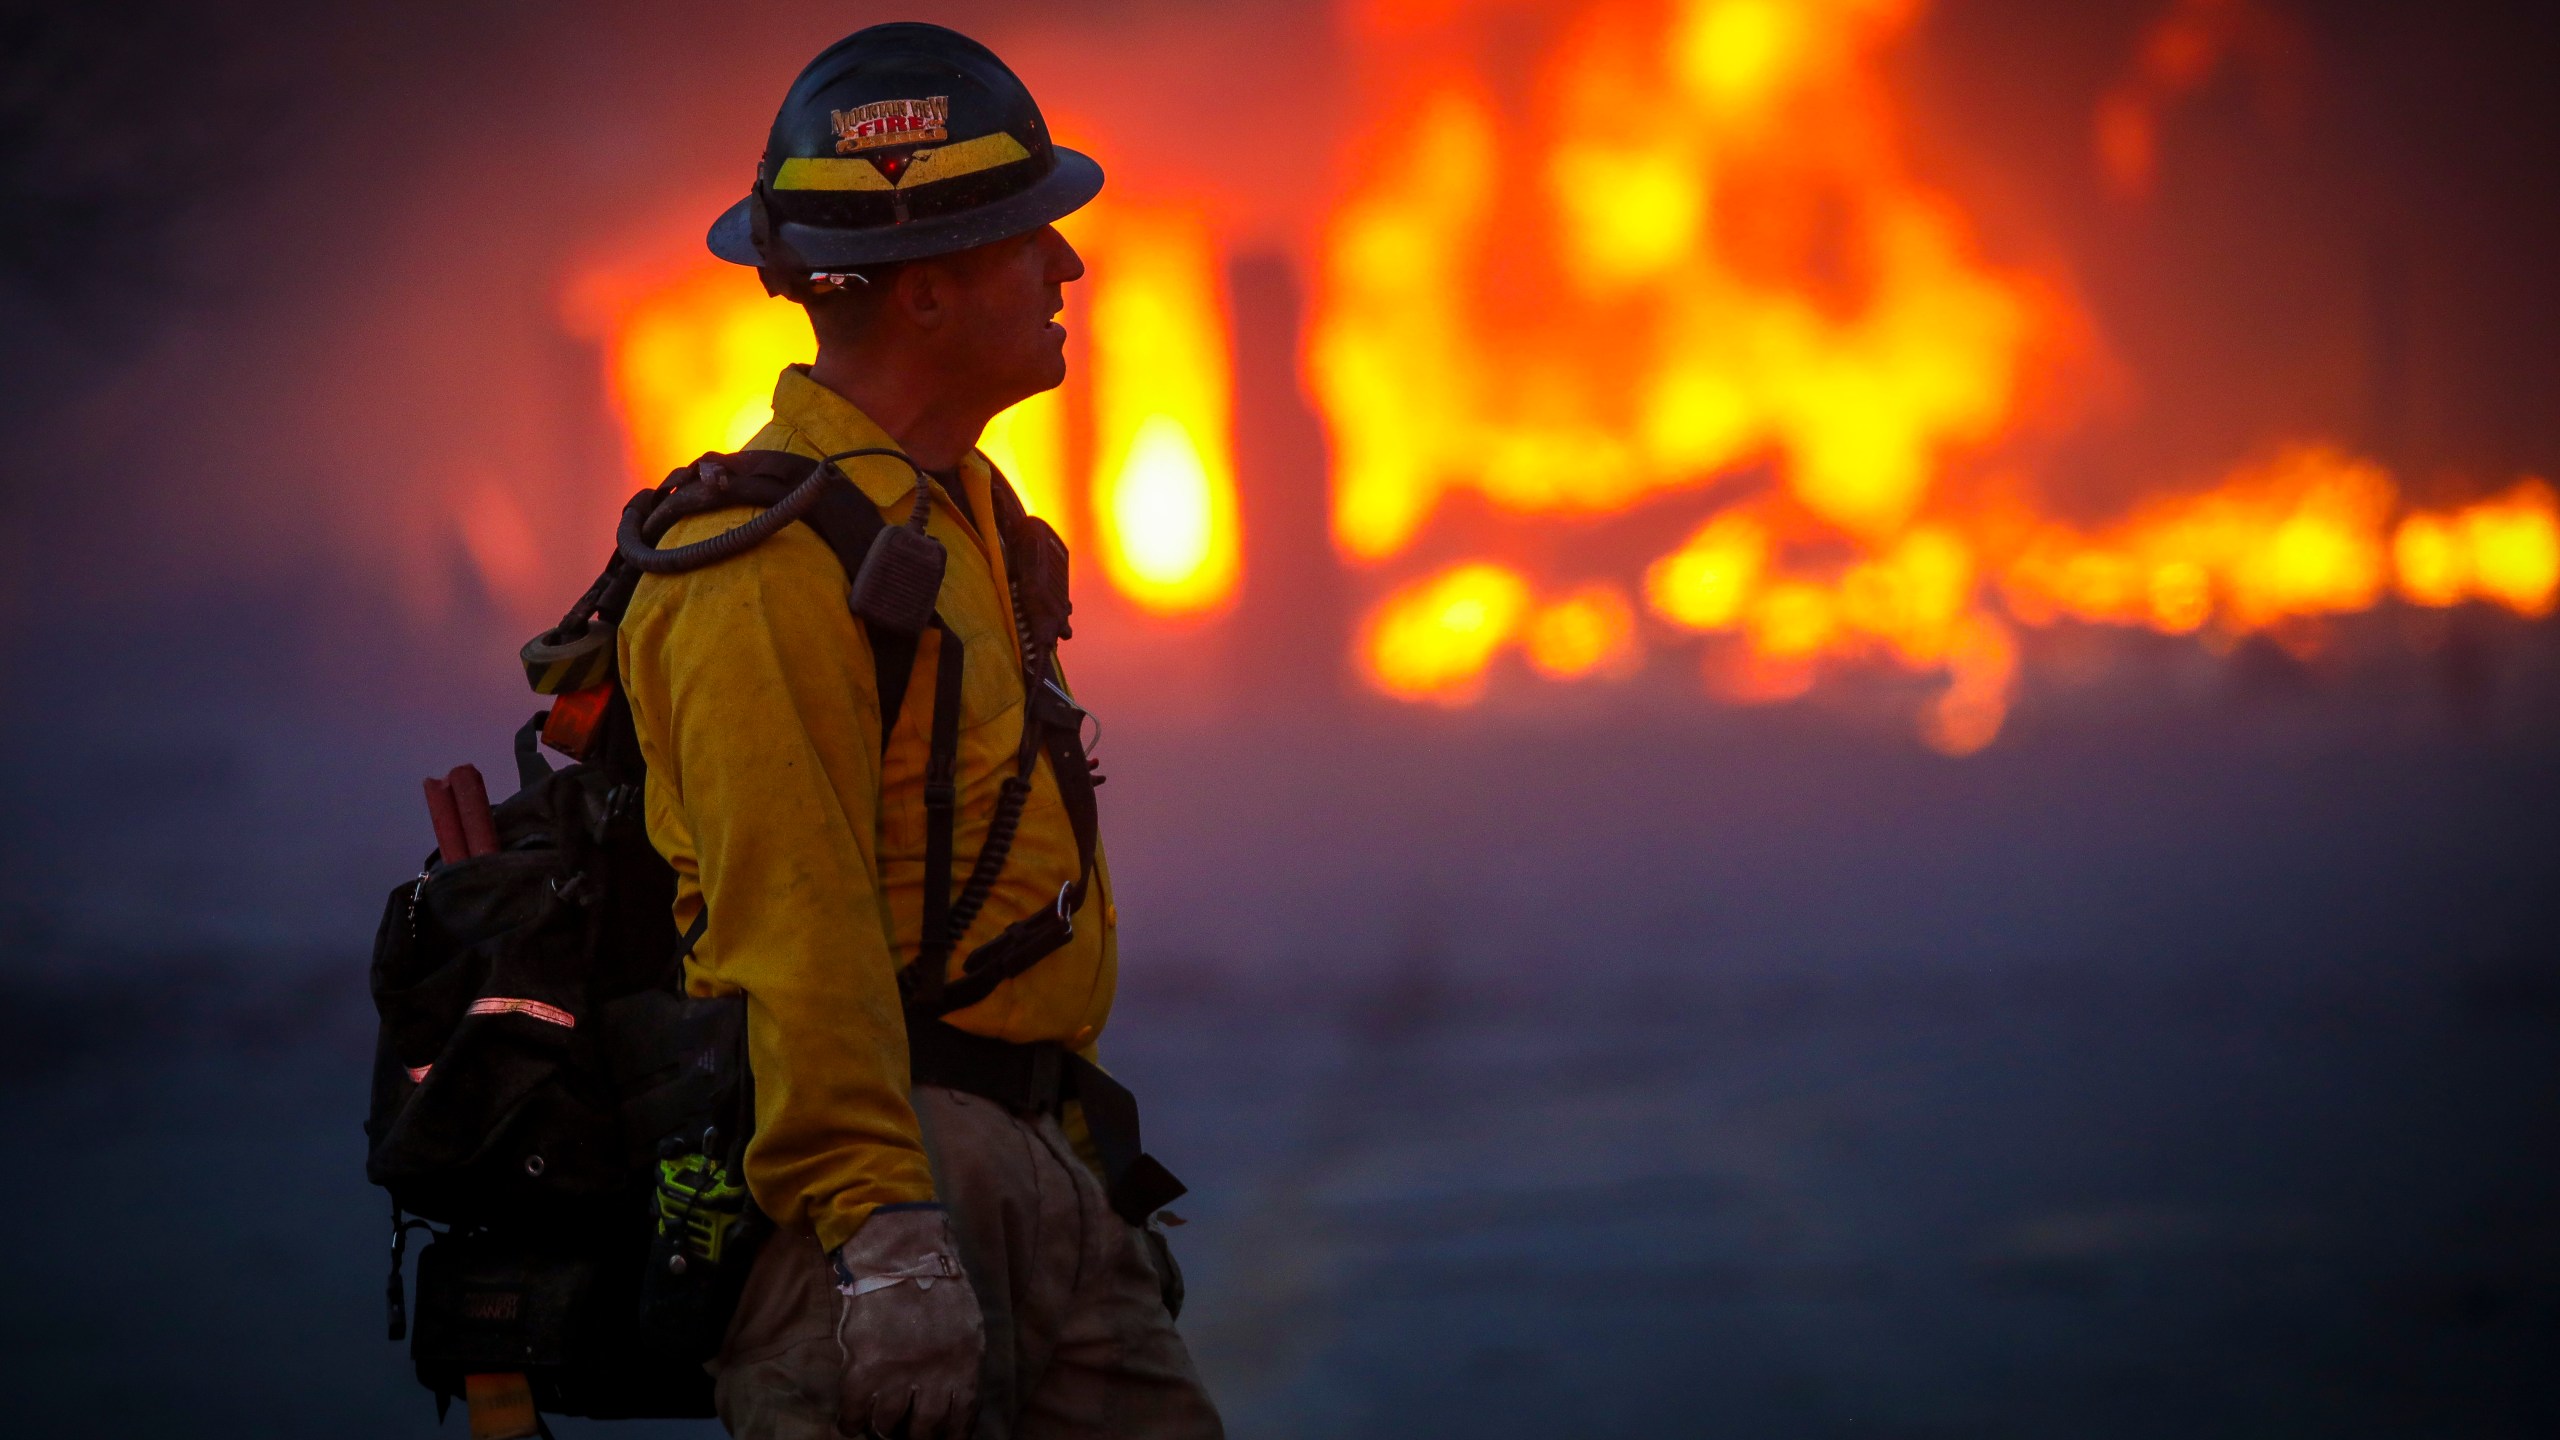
x=961 y=1247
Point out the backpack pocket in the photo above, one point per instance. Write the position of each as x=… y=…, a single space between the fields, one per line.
x=487 y=1099
x=558 y=1309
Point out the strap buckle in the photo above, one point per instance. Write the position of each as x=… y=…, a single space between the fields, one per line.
x=1066 y=907
x=1056 y=707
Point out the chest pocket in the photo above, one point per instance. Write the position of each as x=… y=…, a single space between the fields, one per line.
x=990 y=685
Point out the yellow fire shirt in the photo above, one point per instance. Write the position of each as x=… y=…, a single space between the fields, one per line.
x=772 y=796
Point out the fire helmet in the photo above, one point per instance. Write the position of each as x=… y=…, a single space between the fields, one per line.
x=898 y=142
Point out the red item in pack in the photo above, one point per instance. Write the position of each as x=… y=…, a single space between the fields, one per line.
x=447 y=818
x=471 y=798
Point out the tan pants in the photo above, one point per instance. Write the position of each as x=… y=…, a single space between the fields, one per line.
x=1079 y=1346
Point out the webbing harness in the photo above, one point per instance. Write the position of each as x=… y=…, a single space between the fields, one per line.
x=1029 y=1079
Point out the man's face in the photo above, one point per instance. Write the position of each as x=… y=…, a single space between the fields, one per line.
x=1002 y=341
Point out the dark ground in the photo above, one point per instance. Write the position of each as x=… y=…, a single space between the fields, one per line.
x=1840 y=1091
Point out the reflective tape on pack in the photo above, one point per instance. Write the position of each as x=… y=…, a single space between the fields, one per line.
x=509 y=1005
x=418 y=1073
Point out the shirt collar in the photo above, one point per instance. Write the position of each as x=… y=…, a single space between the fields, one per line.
x=834 y=424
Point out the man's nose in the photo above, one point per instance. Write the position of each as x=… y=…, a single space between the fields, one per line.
x=1064 y=263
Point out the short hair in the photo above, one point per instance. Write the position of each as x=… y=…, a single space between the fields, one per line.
x=833 y=308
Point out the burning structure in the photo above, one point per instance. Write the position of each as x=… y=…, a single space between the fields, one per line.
x=1644 y=339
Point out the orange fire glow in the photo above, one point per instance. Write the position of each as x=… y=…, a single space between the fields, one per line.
x=2183 y=50
x=1164 y=481
x=1693 y=245
x=692 y=352
x=690 y=355
x=1589 y=631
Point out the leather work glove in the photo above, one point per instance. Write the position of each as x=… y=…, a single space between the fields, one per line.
x=909 y=1327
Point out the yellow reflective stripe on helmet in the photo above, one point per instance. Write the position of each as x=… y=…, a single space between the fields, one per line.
x=944 y=162
x=830 y=172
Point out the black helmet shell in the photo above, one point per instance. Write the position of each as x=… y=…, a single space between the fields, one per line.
x=899 y=142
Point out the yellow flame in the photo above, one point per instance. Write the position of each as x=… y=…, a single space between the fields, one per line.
x=2505 y=549
x=1688 y=241
x=1915 y=598
x=1703 y=584
x=1378 y=347
x=1164 y=479
x=1433 y=639
x=1741 y=266
x=1735 y=52
x=2304 y=534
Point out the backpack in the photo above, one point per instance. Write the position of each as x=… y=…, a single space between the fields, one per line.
x=544 y=1089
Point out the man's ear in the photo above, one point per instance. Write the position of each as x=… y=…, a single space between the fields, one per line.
x=921 y=295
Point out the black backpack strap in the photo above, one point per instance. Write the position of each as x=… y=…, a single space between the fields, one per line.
x=922 y=981
x=1035 y=562
x=1036 y=567
x=843 y=517
x=846 y=519
x=1052 y=725
x=531 y=768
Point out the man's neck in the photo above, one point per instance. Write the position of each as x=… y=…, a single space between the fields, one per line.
x=933 y=428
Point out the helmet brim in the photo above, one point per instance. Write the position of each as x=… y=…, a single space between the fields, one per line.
x=1073 y=182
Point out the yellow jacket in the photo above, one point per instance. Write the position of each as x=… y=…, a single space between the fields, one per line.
x=769 y=792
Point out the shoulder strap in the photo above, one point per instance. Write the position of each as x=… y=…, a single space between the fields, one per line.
x=923 y=979
x=846 y=519
x=1010 y=510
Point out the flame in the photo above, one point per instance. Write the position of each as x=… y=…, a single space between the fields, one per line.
x=1434 y=640
x=1704 y=584
x=1164 y=471
x=1739 y=267
x=690 y=356
x=1690 y=249
x=691 y=351
x=2505 y=550
x=1591 y=631
x=1028 y=443
x=2304 y=535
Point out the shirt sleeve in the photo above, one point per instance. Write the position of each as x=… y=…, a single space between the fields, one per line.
x=756 y=683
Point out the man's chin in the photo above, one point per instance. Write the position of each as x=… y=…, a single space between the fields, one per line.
x=1052 y=373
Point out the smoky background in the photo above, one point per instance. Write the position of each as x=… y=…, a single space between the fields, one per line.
x=1585 y=1064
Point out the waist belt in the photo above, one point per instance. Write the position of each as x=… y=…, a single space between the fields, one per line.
x=1037 y=1078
